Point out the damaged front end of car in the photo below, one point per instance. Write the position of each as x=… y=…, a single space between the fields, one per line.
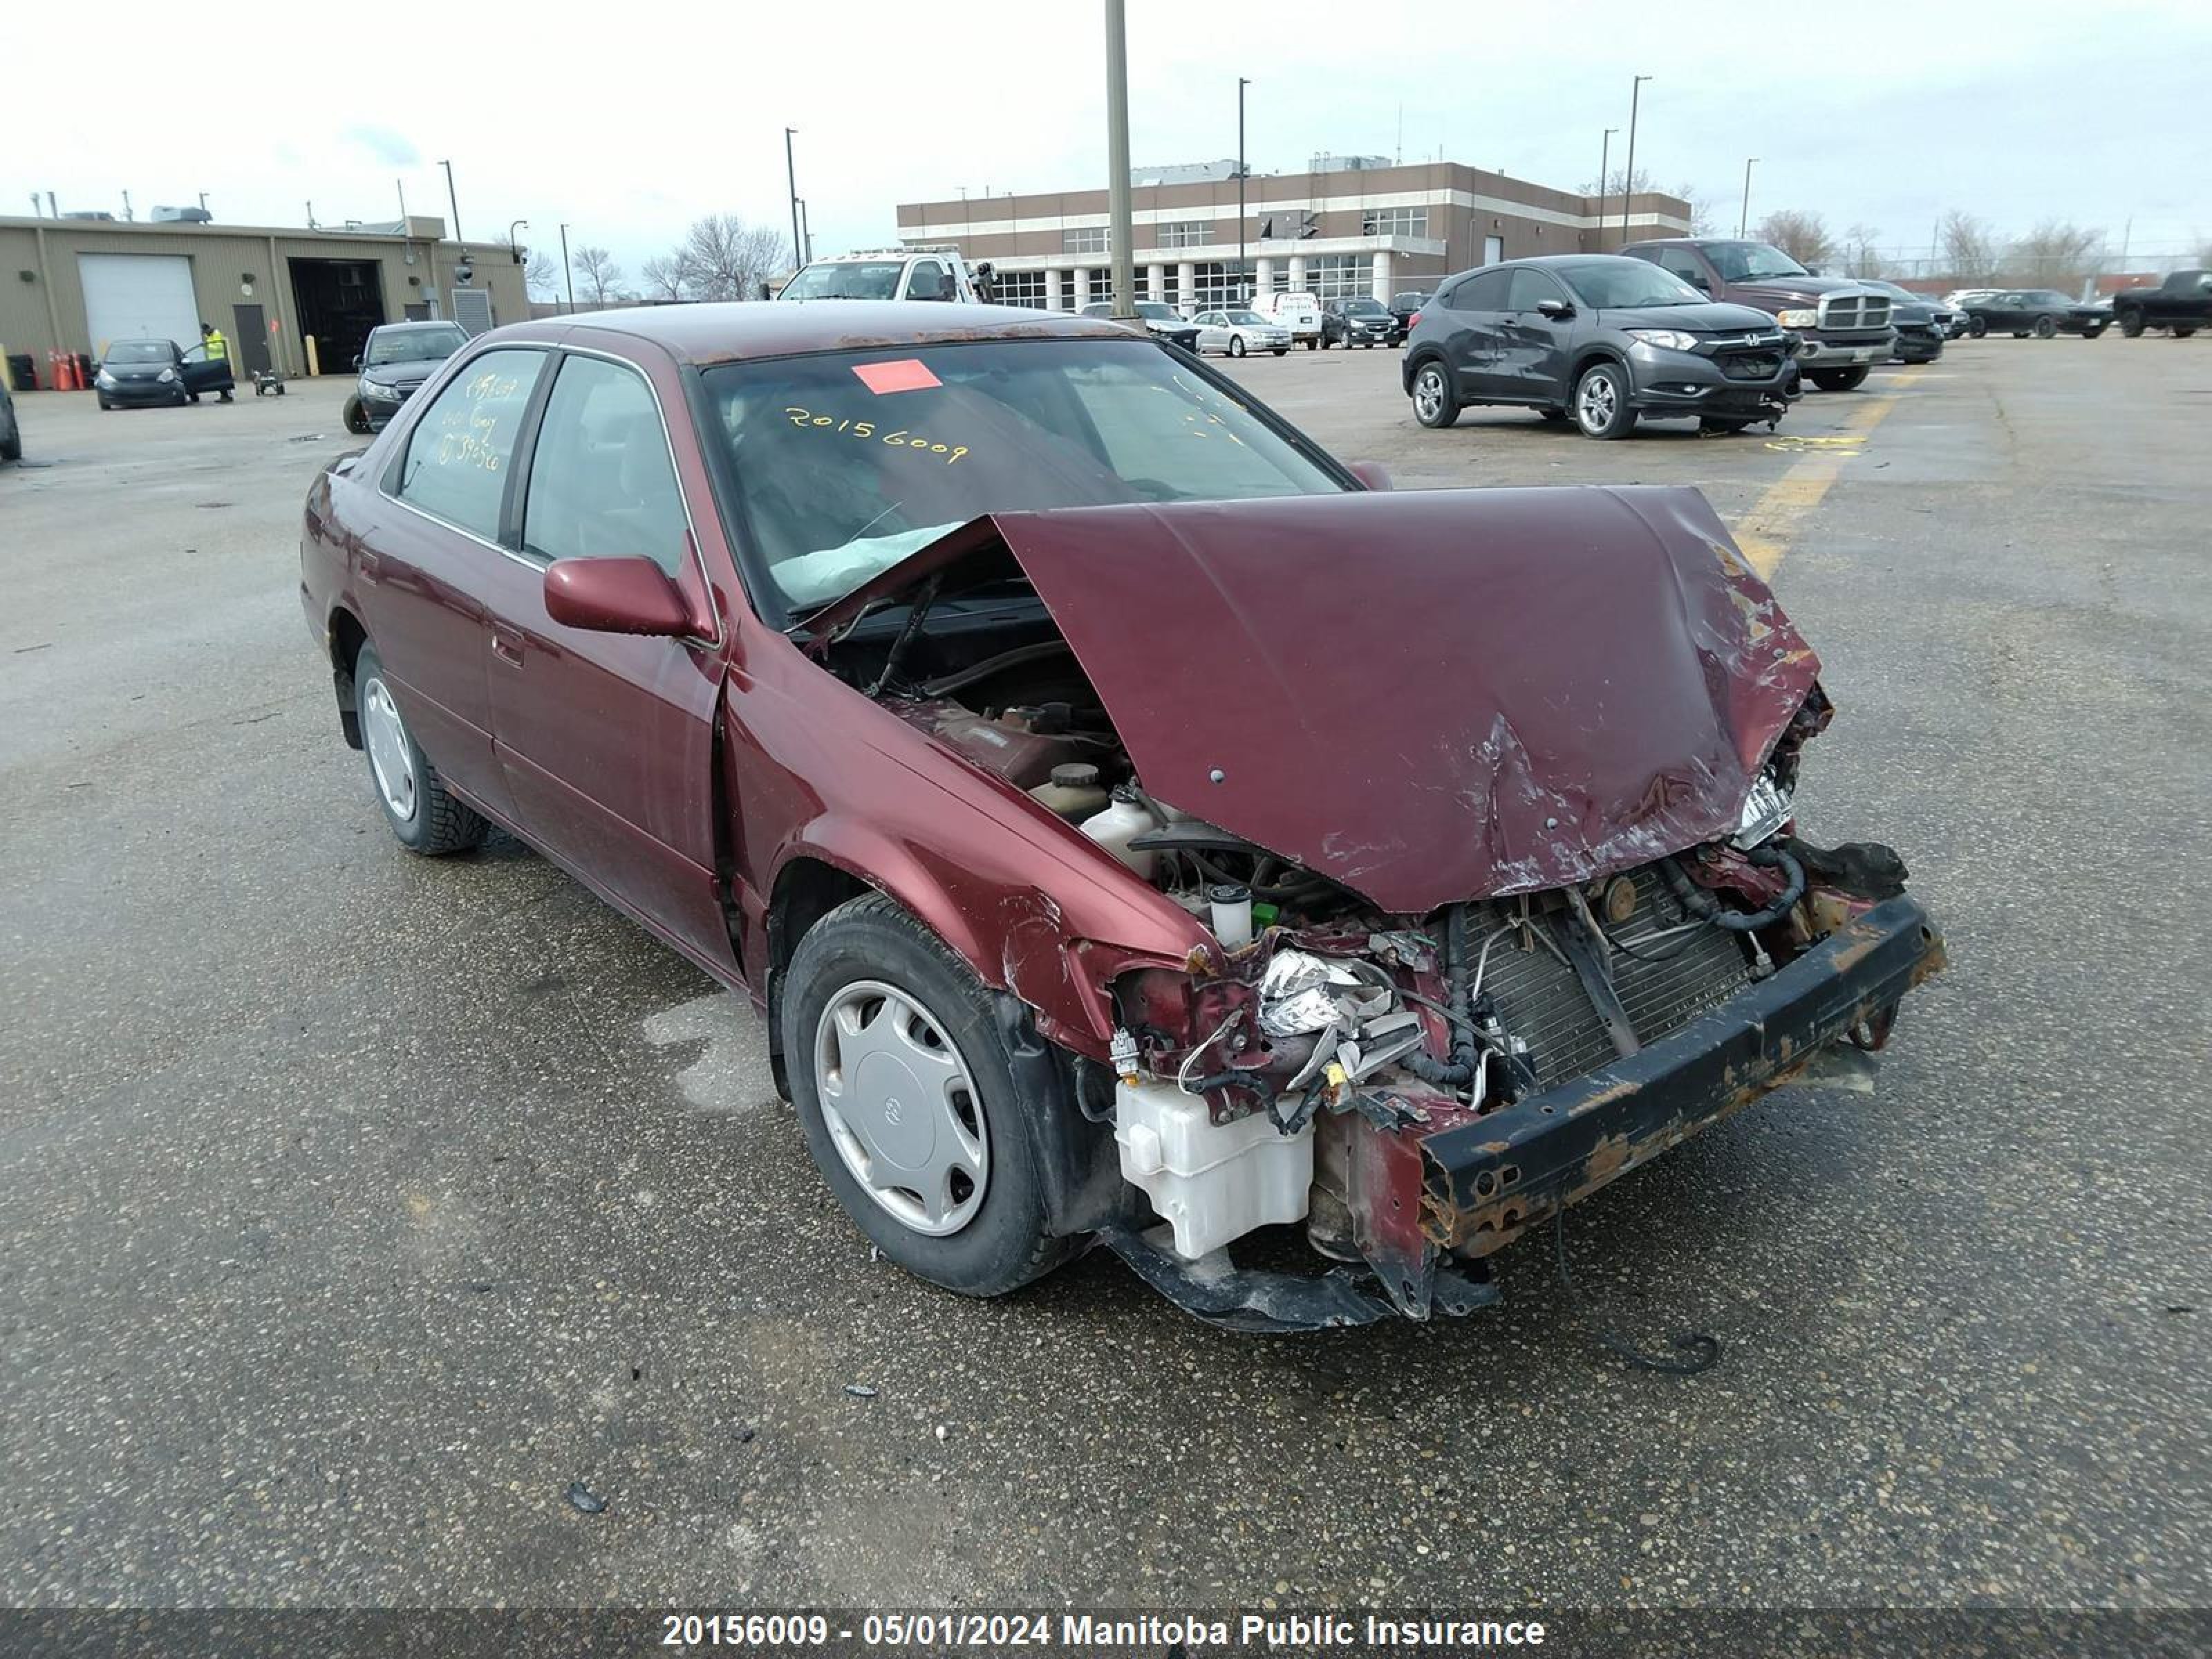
x=1484 y=802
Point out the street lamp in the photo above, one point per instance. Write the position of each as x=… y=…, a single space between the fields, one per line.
x=1628 y=184
x=1744 y=218
x=791 y=180
x=1243 y=297
x=568 y=271
x=1120 y=259
x=1604 y=184
x=512 y=246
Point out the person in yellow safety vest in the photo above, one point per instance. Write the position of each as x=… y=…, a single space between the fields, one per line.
x=218 y=351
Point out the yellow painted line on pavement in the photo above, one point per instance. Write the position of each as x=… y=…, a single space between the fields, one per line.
x=1765 y=532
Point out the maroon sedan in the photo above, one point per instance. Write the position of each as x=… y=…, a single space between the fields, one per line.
x=1137 y=828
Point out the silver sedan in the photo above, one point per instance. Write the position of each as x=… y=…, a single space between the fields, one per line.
x=1239 y=332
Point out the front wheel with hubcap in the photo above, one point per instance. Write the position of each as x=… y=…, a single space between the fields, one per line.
x=1839 y=379
x=425 y=817
x=1601 y=407
x=1434 y=406
x=1237 y=345
x=906 y=1095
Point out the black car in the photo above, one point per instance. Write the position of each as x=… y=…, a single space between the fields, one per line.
x=1407 y=305
x=1162 y=320
x=394 y=361
x=1922 y=324
x=1357 y=322
x=2042 y=312
x=1602 y=338
x=158 y=372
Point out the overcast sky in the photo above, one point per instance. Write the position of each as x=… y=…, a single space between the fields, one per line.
x=1872 y=112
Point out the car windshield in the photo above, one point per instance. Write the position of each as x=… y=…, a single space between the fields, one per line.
x=856 y=279
x=1409 y=301
x=1248 y=318
x=847 y=462
x=1601 y=283
x=140 y=351
x=1364 y=308
x=413 y=345
x=1748 y=262
x=1154 y=311
x=2046 y=296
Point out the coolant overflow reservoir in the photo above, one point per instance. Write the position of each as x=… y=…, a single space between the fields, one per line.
x=1075 y=793
x=1121 y=823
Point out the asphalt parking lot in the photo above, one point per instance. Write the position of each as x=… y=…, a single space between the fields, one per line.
x=352 y=1206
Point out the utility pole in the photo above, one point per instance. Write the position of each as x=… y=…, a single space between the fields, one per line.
x=568 y=271
x=791 y=180
x=805 y=234
x=452 y=200
x=1243 y=297
x=1628 y=184
x=1604 y=184
x=1119 y=257
x=128 y=217
x=1743 y=219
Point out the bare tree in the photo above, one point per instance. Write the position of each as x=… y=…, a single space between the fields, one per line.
x=1969 y=249
x=597 y=274
x=1705 y=212
x=1801 y=236
x=542 y=276
x=729 y=260
x=2054 y=254
x=666 y=275
x=1860 y=258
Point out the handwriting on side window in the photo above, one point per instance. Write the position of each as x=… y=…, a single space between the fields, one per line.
x=807 y=421
x=466 y=434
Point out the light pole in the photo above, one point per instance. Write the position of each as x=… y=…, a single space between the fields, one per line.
x=791 y=180
x=518 y=224
x=1628 y=184
x=1121 y=259
x=805 y=234
x=568 y=271
x=1243 y=297
x=1743 y=219
x=452 y=200
x=1604 y=184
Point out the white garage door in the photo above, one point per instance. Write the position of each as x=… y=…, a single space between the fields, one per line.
x=139 y=296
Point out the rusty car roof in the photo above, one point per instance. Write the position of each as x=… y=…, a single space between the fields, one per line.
x=733 y=330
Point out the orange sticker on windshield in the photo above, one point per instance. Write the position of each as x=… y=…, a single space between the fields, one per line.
x=905 y=375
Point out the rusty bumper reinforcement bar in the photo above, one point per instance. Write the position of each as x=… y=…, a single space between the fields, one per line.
x=1485 y=1180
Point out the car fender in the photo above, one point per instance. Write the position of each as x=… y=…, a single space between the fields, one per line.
x=1424 y=355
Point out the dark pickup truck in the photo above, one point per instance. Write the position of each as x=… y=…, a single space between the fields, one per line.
x=1842 y=327
x=2183 y=303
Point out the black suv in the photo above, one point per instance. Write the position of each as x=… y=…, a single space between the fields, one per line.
x=1600 y=337
x=1361 y=322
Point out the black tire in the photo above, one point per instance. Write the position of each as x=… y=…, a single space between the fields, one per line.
x=1436 y=400
x=2094 y=331
x=1712 y=423
x=2182 y=330
x=1312 y=345
x=355 y=417
x=11 y=447
x=2045 y=328
x=1976 y=327
x=1839 y=379
x=1237 y=345
x=2131 y=325
x=1004 y=1245
x=1554 y=415
x=1281 y=351
x=438 y=823
x=104 y=404
x=1607 y=413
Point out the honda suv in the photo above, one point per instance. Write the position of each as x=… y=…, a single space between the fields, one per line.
x=1603 y=338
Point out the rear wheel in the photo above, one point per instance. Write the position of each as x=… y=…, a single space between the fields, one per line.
x=906 y=1094
x=1435 y=403
x=1601 y=406
x=421 y=814
x=2045 y=328
x=1839 y=379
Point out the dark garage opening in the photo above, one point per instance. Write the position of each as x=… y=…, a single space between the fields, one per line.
x=338 y=301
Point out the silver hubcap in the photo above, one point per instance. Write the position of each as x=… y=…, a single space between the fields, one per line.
x=390 y=755
x=901 y=1108
x=1598 y=401
x=1428 y=394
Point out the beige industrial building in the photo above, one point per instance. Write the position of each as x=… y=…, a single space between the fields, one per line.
x=1351 y=225
x=73 y=285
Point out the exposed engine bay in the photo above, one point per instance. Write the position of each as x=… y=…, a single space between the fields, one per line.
x=1335 y=1063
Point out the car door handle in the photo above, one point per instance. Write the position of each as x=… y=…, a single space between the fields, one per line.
x=506 y=645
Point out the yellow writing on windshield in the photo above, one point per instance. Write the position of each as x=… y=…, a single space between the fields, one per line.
x=805 y=420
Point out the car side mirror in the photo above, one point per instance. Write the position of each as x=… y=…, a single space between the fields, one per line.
x=1557 y=310
x=1373 y=474
x=615 y=596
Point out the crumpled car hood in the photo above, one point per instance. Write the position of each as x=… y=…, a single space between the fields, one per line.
x=1425 y=696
